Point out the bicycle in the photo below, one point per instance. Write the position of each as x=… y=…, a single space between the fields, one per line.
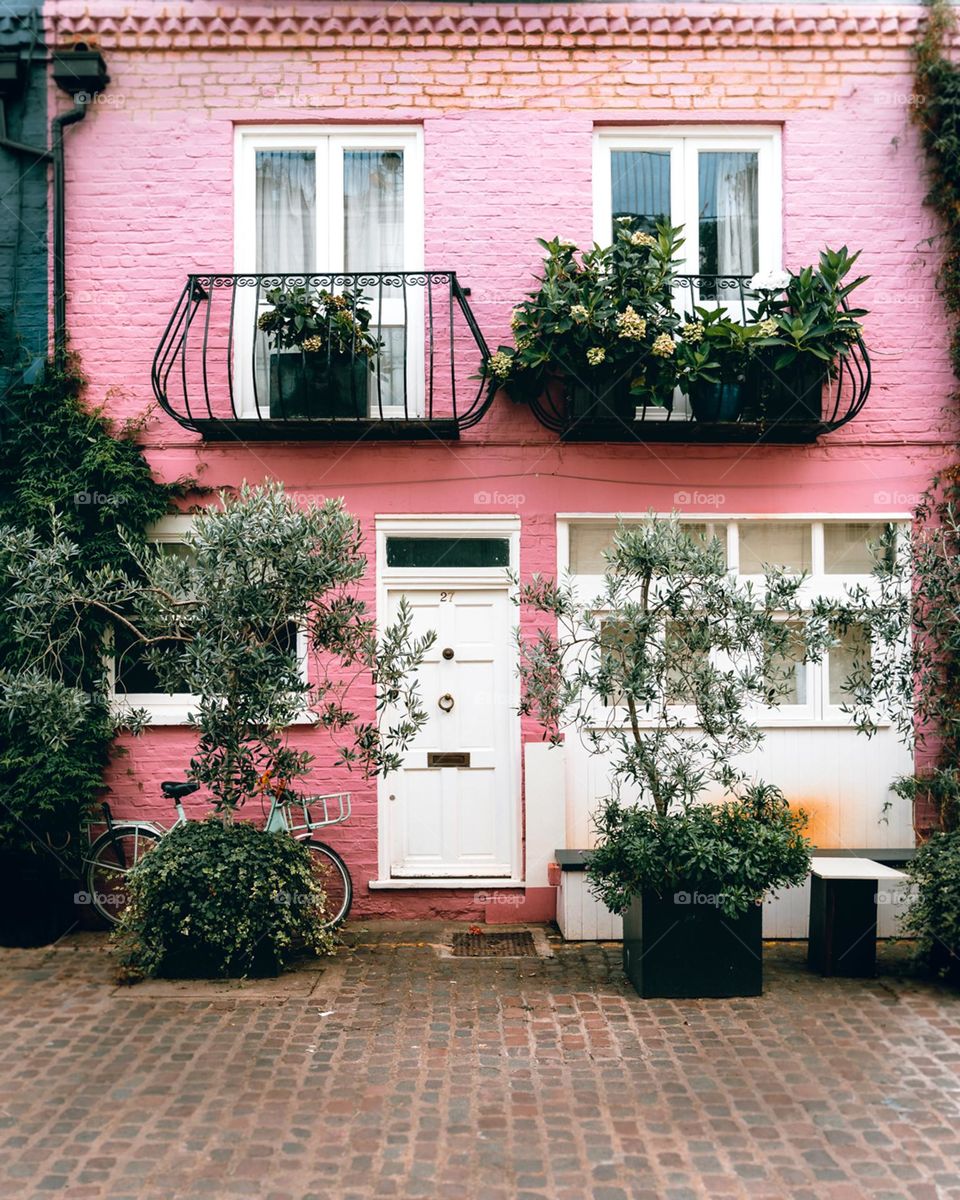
x=114 y=853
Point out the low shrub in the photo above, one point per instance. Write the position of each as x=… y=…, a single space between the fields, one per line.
x=741 y=848
x=218 y=899
x=934 y=917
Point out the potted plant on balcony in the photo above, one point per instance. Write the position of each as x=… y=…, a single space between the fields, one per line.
x=601 y=326
x=323 y=352
x=662 y=674
x=713 y=364
x=808 y=329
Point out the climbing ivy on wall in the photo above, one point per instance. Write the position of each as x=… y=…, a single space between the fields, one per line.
x=937 y=113
x=58 y=456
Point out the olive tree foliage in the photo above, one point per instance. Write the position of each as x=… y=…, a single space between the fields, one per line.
x=666 y=668
x=219 y=620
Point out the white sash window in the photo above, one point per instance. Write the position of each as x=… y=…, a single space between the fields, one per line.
x=328 y=201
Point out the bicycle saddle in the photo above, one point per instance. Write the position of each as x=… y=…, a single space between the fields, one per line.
x=174 y=790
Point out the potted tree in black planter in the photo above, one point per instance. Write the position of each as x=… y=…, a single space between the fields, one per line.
x=661 y=673
x=806 y=330
x=322 y=352
x=601 y=327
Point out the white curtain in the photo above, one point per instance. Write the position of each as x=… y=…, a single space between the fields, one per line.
x=286 y=211
x=737 y=213
x=373 y=210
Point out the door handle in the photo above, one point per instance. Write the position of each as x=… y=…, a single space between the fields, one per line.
x=445 y=703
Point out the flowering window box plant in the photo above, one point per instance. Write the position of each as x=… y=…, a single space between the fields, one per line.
x=322 y=352
x=601 y=326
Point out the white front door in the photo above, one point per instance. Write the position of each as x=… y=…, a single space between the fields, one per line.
x=451 y=810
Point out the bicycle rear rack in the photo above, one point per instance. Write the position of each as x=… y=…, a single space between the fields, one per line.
x=335 y=807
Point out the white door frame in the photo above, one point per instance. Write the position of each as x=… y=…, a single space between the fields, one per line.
x=463 y=579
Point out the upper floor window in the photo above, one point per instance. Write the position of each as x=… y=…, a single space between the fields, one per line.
x=316 y=200
x=329 y=201
x=723 y=187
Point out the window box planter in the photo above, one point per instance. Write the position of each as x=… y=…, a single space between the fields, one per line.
x=606 y=402
x=794 y=393
x=678 y=945
x=308 y=385
x=711 y=402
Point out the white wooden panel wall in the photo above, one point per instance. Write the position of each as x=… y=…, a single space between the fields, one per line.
x=582 y=918
x=840 y=778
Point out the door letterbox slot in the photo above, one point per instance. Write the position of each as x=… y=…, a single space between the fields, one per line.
x=447 y=759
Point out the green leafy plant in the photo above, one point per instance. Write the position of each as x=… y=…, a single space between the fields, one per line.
x=319 y=322
x=220 y=621
x=714 y=348
x=65 y=471
x=663 y=672
x=743 y=847
x=808 y=315
x=934 y=917
x=219 y=898
x=601 y=319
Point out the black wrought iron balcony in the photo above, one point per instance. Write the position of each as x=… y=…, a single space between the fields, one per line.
x=796 y=404
x=393 y=355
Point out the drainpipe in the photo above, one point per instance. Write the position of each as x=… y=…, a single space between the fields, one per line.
x=57 y=126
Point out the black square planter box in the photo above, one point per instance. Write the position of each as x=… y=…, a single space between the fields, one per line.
x=679 y=945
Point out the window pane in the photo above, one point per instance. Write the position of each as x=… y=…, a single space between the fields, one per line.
x=778 y=543
x=729 y=220
x=842 y=664
x=448 y=552
x=786 y=673
x=286 y=210
x=373 y=210
x=389 y=373
x=588 y=542
x=684 y=656
x=846 y=546
x=640 y=186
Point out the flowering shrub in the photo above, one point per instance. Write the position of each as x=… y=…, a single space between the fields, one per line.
x=603 y=318
x=319 y=322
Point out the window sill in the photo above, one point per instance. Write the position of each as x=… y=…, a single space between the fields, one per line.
x=441 y=882
x=164 y=715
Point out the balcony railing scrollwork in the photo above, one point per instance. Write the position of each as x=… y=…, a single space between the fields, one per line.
x=220 y=372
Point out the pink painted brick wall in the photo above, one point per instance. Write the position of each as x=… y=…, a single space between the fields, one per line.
x=509 y=97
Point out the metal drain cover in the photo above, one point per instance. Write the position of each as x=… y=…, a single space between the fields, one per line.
x=494 y=945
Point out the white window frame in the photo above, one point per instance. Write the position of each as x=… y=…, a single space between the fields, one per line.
x=174 y=708
x=684 y=143
x=818 y=711
x=328 y=143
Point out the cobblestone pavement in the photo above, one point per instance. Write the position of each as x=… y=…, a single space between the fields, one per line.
x=396 y=1072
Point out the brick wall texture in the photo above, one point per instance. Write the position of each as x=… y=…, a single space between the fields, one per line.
x=509 y=98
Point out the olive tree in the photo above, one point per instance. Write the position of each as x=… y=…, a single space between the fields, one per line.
x=665 y=667
x=259 y=584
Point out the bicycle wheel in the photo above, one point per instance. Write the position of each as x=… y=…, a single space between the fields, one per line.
x=332 y=875
x=109 y=863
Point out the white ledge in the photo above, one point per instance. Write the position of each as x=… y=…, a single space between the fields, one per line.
x=440 y=883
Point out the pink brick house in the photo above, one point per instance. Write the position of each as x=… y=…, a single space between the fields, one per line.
x=427 y=146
